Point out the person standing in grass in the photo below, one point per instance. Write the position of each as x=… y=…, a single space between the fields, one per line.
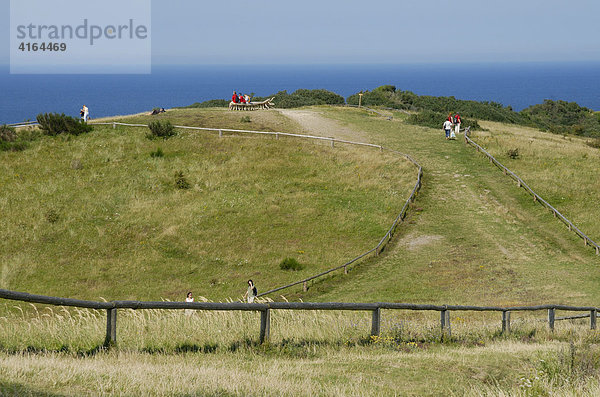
x=447 y=127
x=251 y=292
x=189 y=299
x=85 y=113
x=457 y=121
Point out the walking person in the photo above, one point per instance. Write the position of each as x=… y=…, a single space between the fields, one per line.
x=447 y=128
x=189 y=299
x=457 y=121
x=251 y=292
x=85 y=113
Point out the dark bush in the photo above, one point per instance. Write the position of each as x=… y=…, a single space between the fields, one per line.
x=55 y=124
x=290 y=264
x=303 y=97
x=13 y=141
x=513 y=153
x=562 y=117
x=389 y=96
x=7 y=134
x=52 y=216
x=181 y=181
x=161 y=129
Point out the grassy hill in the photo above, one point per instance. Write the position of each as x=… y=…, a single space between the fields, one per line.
x=473 y=237
x=97 y=216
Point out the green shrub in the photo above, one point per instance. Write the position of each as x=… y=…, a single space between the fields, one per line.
x=213 y=103
x=303 y=97
x=13 y=141
x=13 y=146
x=51 y=216
x=7 y=134
x=157 y=153
x=389 y=96
x=161 y=129
x=562 y=117
x=245 y=119
x=55 y=124
x=290 y=264
x=513 y=153
x=181 y=181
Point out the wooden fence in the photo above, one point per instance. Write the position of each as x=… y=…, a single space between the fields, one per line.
x=536 y=197
x=265 y=310
x=382 y=242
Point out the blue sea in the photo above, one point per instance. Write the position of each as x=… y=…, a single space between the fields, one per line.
x=519 y=85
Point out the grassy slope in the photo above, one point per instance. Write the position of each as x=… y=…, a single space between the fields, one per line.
x=472 y=236
x=123 y=231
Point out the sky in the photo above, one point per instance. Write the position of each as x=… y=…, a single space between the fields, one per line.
x=361 y=32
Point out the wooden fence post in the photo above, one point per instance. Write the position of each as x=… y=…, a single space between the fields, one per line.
x=376 y=322
x=114 y=125
x=304 y=287
x=551 y=313
x=597 y=251
x=345 y=269
x=220 y=134
x=265 y=326
x=276 y=136
x=505 y=322
x=593 y=314
x=332 y=142
x=445 y=322
x=111 y=328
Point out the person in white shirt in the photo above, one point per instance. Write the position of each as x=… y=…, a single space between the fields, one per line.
x=86 y=113
x=189 y=299
x=447 y=128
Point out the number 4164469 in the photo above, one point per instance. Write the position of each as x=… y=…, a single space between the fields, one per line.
x=42 y=47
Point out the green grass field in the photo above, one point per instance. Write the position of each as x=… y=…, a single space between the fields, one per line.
x=96 y=216
x=473 y=236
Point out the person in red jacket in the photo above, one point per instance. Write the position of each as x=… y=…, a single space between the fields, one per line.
x=234 y=98
x=241 y=98
x=457 y=121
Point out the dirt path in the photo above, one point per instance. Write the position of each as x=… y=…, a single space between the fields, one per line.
x=313 y=122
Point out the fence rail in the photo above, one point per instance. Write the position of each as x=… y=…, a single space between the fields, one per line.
x=23 y=124
x=382 y=242
x=536 y=197
x=265 y=310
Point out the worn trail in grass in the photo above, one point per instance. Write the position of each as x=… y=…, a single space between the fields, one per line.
x=472 y=237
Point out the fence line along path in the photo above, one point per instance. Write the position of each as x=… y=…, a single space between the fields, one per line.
x=385 y=239
x=536 y=197
x=265 y=310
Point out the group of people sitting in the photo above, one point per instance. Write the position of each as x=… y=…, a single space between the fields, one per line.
x=452 y=121
x=240 y=98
